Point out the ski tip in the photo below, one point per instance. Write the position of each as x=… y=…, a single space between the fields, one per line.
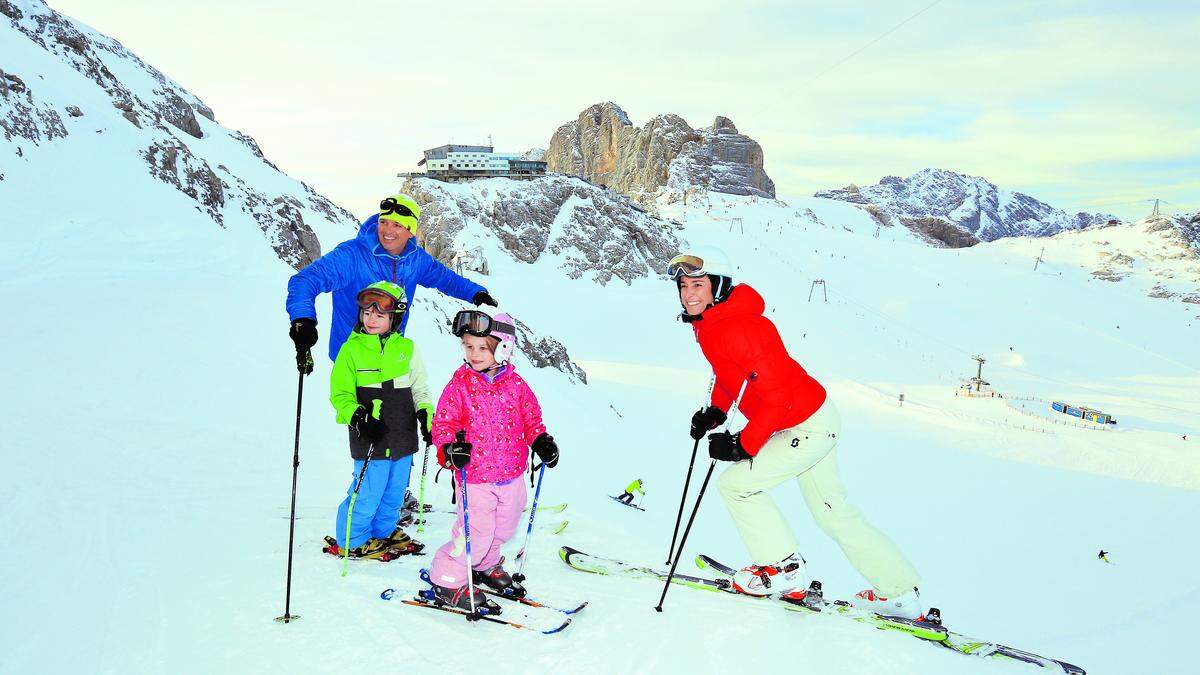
x=559 y=629
x=387 y=593
x=701 y=562
x=565 y=553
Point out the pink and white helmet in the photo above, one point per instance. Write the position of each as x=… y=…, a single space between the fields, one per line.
x=504 y=329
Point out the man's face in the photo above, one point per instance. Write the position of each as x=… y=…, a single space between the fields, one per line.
x=696 y=294
x=393 y=236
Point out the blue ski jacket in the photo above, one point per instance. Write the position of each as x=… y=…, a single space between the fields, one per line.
x=362 y=261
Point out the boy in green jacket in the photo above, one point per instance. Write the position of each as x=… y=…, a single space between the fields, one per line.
x=378 y=387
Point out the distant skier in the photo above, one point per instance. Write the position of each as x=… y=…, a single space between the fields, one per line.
x=1103 y=555
x=502 y=421
x=385 y=249
x=377 y=364
x=627 y=496
x=791 y=434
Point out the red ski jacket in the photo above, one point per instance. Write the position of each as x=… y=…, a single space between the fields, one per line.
x=738 y=340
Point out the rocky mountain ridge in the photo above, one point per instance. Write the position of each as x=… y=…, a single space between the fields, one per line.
x=959 y=210
x=664 y=156
x=60 y=79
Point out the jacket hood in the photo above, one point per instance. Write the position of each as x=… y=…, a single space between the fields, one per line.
x=742 y=301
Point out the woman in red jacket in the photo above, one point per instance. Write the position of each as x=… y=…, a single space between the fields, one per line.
x=791 y=434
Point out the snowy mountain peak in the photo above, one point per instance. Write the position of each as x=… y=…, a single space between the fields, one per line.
x=77 y=105
x=932 y=199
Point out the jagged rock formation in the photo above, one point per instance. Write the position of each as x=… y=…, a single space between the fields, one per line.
x=593 y=233
x=666 y=155
x=106 y=89
x=969 y=203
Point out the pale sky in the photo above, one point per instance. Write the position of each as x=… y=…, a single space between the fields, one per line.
x=1089 y=106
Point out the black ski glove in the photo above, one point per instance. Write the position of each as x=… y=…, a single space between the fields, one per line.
x=423 y=426
x=706 y=420
x=726 y=447
x=482 y=298
x=366 y=427
x=546 y=450
x=458 y=453
x=304 y=333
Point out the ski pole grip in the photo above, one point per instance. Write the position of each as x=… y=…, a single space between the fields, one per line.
x=461 y=436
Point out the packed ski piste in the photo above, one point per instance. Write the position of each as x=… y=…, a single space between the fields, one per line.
x=486 y=429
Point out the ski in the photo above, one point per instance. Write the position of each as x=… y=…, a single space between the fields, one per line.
x=607 y=566
x=632 y=506
x=951 y=640
x=814 y=601
x=562 y=526
x=930 y=631
x=422 y=601
x=530 y=602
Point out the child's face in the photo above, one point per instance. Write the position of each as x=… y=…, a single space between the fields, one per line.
x=478 y=352
x=375 y=322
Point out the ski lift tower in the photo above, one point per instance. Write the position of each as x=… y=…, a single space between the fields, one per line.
x=813 y=287
x=979 y=372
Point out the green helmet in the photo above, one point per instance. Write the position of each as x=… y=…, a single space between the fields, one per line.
x=384 y=296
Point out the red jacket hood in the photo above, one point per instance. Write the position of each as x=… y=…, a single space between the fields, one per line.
x=742 y=301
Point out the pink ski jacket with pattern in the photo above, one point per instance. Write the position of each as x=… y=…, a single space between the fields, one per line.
x=501 y=418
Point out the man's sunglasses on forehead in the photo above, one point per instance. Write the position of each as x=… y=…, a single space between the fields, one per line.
x=389 y=206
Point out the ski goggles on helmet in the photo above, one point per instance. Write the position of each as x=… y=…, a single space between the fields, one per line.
x=686 y=265
x=389 y=206
x=390 y=209
x=383 y=302
x=479 y=324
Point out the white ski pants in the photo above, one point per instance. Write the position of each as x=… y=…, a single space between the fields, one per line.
x=806 y=452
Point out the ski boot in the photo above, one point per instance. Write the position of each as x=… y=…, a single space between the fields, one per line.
x=372 y=549
x=786 y=578
x=460 y=598
x=499 y=581
x=907 y=606
x=401 y=544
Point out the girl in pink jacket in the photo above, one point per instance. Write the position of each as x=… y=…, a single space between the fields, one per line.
x=487 y=420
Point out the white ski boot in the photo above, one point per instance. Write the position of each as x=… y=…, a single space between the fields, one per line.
x=907 y=606
x=788 y=577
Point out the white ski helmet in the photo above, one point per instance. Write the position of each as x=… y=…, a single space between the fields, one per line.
x=696 y=261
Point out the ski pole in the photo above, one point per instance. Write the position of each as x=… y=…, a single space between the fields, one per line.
x=421 y=497
x=703 y=486
x=288 y=617
x=712 y=383
x=474 y=615
x=519 y=577
x=354 y=496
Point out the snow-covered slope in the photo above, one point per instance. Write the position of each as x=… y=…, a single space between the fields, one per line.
x=1159 y=257
x=91 y=124
x=148 y=469
x=931 y=197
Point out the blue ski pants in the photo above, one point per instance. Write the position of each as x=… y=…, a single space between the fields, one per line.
x=377 y=507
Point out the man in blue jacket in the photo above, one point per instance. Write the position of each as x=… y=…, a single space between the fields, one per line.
x=384 y=250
